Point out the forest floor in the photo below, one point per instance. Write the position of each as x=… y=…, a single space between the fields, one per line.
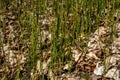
x=50 y=47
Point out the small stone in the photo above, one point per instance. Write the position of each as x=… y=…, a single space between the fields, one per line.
x=99 y=69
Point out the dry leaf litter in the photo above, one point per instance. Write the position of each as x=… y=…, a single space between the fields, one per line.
x=13 y=52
